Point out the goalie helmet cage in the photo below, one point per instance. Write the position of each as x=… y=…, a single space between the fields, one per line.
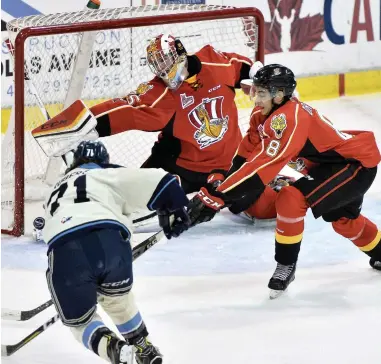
x=227 y=28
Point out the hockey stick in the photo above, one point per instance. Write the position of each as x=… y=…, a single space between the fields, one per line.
x=138 y=250
x=143 y=218
x=74 y=92
x=8 y=350
x=24 y=315
x=146 y=244
x=30 y=84
x=32 y=88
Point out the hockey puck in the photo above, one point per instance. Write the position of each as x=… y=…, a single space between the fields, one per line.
x=39 y=223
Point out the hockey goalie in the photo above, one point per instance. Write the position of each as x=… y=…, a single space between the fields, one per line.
x=190 y=100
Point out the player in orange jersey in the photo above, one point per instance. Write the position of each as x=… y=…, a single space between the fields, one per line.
x=344 y=165
x=191 y=102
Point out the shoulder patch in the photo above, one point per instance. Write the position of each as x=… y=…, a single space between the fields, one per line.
x=278 y=124
x=308 y=108
x=133 y=98
x=143 y=88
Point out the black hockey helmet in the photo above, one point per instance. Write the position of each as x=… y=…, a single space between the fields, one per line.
x=90 y=152
x=274 y=77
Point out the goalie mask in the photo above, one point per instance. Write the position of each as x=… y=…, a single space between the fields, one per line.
x=167 y=59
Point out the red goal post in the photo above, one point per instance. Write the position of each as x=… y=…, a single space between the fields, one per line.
x=252 y=29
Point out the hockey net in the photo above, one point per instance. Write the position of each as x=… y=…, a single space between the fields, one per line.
x=49 y=45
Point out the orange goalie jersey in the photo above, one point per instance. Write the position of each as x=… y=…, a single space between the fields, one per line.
x=295 y=130
x=200 y=117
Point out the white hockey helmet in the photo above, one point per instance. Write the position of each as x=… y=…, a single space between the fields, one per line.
x=167 y=59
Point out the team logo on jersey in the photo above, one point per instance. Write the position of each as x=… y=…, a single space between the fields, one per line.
x=211 y=125
x=186 y=100
x=143 y=88
x=278 y=124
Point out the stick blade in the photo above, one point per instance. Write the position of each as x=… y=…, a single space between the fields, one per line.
x=4 y=350
x=13 y=315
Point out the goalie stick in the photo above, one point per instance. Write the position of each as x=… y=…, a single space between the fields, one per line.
x=32 y=89
x=75 y=88
x=8 y=350
x=74 y=92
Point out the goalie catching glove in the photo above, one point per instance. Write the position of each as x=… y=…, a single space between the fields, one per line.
x=66 y=130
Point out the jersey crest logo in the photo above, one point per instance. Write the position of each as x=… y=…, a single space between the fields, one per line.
x=211 y=125
x=186 y=100
x=278 y=124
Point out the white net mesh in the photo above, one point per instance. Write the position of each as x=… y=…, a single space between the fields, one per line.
x=117 y=66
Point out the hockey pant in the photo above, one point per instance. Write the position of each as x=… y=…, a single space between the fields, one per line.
x=335 y=193
x=95 y=269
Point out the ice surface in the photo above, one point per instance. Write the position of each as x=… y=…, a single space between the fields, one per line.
x=204 y=296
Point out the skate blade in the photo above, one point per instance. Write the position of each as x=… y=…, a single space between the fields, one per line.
x=275 y=294
x=126 y=355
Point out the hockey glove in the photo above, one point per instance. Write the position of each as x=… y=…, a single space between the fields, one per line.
x=204 y=206
x=173 y=223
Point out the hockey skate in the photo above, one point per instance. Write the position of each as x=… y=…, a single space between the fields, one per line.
x=375 y=264
x=119 y=351
x=282 y=277
x=146 y=353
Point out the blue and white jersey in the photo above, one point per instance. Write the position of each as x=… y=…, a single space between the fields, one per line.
x=94 y=197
